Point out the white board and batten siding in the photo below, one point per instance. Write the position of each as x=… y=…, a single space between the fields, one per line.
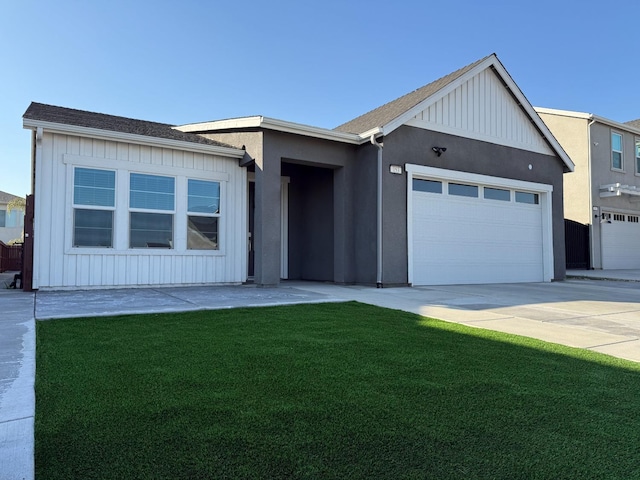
x=57 y=264
x=483 y=109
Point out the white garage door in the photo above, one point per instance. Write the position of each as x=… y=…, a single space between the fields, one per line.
x=464 y=232
x=621 y=242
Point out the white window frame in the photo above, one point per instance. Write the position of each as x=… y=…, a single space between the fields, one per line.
x=217 y=215
x=621 y=151
x=636 y=155
x=172 y=212
x=79 y=206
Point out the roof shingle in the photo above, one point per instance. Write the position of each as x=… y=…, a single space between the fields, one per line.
x=386 y=113
x=81 y=118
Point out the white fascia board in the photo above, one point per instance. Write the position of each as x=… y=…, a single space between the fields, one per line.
x=240 y=122
x=590 y=116
x=309 y=131
x=132 y=138
x=564 y=113
x=273 y=124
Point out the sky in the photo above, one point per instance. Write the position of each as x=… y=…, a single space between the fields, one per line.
x=315 y=63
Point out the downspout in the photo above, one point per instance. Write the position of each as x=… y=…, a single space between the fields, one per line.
x=379 y=214
x=591 y=242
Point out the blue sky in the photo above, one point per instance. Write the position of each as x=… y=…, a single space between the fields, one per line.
x=317 y=63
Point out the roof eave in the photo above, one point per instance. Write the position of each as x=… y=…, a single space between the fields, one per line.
x=80 y=131
x=273 y=124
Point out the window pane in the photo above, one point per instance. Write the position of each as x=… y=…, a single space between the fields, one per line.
x=617 y=160
x=92 y=228
x=463 y=190
x=616 y=142
x=497 y=194
x=14 y=219
x=3 y=217
x=202 y=233
x=637 y=156
x=151 y=192
x=204 y=197
x=431 y=186
x=151 y=230
x=94 y=187
x=525 y=197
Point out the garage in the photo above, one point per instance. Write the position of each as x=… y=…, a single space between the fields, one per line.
x=620 y=241
x=471 y=229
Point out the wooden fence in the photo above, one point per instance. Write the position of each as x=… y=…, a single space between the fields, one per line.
x=10 y=258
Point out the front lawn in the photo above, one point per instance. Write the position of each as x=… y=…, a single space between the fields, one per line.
x=345 y=391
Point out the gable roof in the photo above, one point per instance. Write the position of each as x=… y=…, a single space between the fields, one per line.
x=383 y=115
x=6 y=197
x=634 y=124
x=39 y=112
x=385 y=119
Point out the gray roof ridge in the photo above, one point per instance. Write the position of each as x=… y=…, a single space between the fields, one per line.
x=380 y=116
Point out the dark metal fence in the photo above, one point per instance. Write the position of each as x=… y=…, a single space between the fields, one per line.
x=576 y=241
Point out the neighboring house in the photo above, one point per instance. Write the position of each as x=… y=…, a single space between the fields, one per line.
x=457 y=182
x=604 y=191
x=11 y=222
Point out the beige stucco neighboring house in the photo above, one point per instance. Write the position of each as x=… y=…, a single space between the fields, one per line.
x=11 y=222
x=604 y=190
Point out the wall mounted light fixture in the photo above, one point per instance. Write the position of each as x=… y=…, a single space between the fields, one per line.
x=439 y=150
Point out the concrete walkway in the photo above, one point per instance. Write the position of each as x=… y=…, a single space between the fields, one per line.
x=595 y=314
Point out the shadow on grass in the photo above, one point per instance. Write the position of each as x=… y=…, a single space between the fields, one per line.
x=325 y=391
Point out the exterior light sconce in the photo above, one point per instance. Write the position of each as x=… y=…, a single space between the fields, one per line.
x=439 y=150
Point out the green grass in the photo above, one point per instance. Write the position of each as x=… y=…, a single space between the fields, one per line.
x=325 y=391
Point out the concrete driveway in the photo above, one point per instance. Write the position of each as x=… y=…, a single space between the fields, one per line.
x=599 y=315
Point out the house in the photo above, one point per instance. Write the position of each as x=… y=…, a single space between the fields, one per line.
x=11 y=222
x=604 y=191
x=457 y=182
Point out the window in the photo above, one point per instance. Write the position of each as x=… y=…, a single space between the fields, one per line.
x=93 y=226
x=203 y=207
x=497 y=194
x=616 y=151
x=638 y=156
x=526 y=197
x=430 y=186
x=462 y=190
x=3 y=218
x=150 y=197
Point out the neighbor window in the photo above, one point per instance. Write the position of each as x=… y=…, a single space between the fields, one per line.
x=93 y=205
x=3 y=218
x=638 y=156
x=203 y=219
x=151 y=205
x=616 y=151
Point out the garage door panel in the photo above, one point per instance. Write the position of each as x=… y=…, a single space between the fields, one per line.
x=620 y=244
x=473 y=240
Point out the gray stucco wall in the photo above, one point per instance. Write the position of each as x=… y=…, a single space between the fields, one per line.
x=413 y=145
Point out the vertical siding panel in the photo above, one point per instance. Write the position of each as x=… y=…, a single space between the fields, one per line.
x=122 y=151
x=110 y=149
x=134 y=154
x=145 y=155
x=99 y=148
